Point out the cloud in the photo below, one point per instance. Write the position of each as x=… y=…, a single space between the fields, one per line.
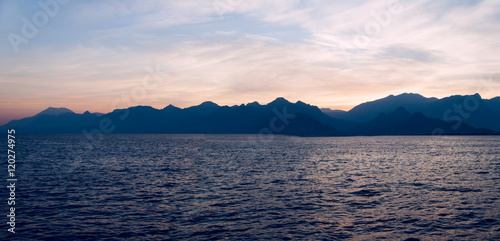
x=328 y=53
x=408 y=53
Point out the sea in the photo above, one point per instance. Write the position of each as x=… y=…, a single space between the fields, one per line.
x=254 y=187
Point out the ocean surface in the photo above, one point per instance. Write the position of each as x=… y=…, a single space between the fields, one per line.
x=246 y=187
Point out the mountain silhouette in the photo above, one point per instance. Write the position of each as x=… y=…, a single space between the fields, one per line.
x=469 y=109
x=406 y=114
x=55 y=111
x=204 y=108
x=369 y=110
x=277 y=117
x=53 y=120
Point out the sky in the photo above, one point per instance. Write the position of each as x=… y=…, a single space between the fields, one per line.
x=103 y=55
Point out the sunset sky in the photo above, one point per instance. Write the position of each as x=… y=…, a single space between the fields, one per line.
x=102 y=55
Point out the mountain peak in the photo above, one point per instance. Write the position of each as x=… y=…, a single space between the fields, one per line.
x=208 y=104
x=254 y=104
x=55 y=111
x=410 y=94
x=171 y=107
x=301 y=103
x=279 y=101
x=204 y=108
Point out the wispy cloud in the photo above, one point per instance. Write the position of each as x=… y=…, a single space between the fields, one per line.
x=328 y=53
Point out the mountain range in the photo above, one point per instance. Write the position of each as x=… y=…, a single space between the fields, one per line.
x=404 y=114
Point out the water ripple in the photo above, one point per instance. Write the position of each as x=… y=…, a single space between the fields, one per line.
x=210 y=187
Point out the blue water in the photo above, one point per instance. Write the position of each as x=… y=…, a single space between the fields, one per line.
x=241 y=187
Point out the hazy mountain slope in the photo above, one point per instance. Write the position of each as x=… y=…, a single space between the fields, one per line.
x=369 y=110
x=469 y=109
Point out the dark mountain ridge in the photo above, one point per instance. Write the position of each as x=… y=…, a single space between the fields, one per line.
x=469 y=109
x=406 y=114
